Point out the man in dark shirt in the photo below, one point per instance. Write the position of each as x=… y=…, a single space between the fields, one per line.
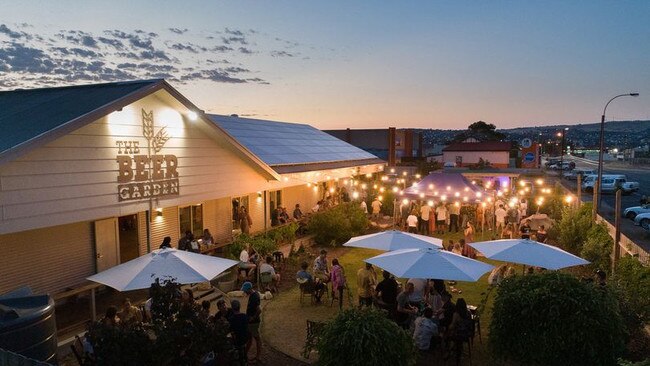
x=386 y=292
x=253 y=311
x=185 y=242
x=238 y=327
x=447 y=310
x=223 y=312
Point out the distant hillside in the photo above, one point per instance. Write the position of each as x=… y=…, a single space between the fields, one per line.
x=613 y=126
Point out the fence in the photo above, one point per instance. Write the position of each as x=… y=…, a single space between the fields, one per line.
x=8 y=358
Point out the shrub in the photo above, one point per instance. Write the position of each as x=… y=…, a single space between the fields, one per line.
x=263 y=244
x=555 y=319
x=573 y=228
x=364 y=337
x=632 y=279
x=338 y=224
x=597 y=247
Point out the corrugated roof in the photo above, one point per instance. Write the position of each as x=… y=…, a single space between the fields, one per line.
x=282 y=143
x=479 y=146
x=30 y=113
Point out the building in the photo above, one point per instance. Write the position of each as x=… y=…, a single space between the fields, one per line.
x=95 y=175
x=407 y=143
x=464 y=154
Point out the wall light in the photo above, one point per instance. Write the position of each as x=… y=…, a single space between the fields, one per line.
x=192 y=115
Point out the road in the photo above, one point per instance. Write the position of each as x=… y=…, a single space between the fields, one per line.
x=633 y=174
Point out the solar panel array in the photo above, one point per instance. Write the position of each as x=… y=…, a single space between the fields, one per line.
x=281 y=143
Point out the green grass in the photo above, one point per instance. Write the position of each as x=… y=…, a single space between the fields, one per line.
x=285 y=319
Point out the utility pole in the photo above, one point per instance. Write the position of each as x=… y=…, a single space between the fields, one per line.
x=579 y=188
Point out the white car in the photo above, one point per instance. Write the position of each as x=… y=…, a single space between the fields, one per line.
x=643 y=220
x=632 y=212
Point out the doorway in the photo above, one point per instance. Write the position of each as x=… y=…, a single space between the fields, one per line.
x=129 y=243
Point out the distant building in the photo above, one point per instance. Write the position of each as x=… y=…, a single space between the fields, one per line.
x=408 y=143
x=469 y=153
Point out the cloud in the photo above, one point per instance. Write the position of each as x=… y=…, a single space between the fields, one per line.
x=234 y=32
x=12 y=34
x=115 y=43
x=188 y=47
x=234 y=69
x=281 y=54
x=245 y=51
x=177 y=30
x=221 y=48
x=231 y=40
x=88 y=41
x=20 y=58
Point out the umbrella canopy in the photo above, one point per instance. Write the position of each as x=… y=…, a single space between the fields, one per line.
x=529 y=252
x=539 y=219
x=393 y=240
x=430 y=263
x=451 y=186
x=183 y=267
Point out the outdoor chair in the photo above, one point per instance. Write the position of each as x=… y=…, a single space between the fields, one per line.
x=266 y=281
x=307 y=288
x=313 y=334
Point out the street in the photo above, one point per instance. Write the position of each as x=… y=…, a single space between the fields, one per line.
x=633 y=174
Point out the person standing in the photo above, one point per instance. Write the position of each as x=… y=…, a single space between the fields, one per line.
x=500 y=215
x=376 y=208
x=441 y=218
x=524 y=230
x=541 y=234
x=366 y=282
x=454 y=215
x=405 y=209
x=239 y=329
x=245 y=220
x=253 y=312
x=386 y=293
x=412 y=223
x=425 y=212
x=321 y=270
x=338 y=282
x=364 y=207
x=469 y=232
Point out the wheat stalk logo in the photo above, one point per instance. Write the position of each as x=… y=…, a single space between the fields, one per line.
x=156 y=141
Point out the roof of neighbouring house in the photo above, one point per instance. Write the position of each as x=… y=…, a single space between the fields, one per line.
x=479 y=146
x=293 y=147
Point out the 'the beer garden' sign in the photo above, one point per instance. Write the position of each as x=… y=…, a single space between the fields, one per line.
x=145 y=173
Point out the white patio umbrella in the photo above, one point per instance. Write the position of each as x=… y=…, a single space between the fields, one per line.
x=529 y=252
x=393 y=240
x=430 y=263
x=184 y=267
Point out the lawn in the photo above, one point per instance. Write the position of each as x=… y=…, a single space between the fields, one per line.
x=285 y=319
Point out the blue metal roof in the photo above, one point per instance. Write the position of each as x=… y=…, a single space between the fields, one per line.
x=281 y=143
x=26 y=114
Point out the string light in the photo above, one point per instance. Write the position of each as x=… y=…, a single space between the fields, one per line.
x=368 y=175
x=363 y=186
x=405 y=201
x=430 y=203
x=421 y=195
x=456 y=194
x=382 y=189
x=404 y=173
x=392 y=170
x=417 y=176
x=395 y=189
x=355 y=195
x=381 y=198
x=374 y=186
x=431 y=186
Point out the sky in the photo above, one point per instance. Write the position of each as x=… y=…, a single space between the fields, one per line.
x=348 y=64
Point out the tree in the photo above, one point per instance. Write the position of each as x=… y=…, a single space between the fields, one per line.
x=481 y=131
x=338 y=224
x=555 y=319
x=365 y=337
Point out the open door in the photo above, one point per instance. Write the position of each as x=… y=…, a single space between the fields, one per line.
x=107 y=247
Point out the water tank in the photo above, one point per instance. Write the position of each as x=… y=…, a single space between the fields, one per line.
x=27 y=325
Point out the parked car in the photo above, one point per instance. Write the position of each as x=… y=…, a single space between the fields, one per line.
x=610 y=184
x=643 y=220
x=573 y=175
x=632 y=212
x=551 y=161
x=565 y=165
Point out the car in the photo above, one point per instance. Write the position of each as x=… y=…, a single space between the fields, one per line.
x=632 y=212
x=643 y=220
x=573 y=175
x=611 y=183
x=449 y=164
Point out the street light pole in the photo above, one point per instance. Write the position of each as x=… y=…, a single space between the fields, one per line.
x=602 y=148
x=562 y=152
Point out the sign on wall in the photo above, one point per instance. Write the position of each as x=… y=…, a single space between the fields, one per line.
x=143 y=171
x=529 y=154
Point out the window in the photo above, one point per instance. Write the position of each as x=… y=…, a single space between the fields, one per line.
x=191 y=218
x=275 y=197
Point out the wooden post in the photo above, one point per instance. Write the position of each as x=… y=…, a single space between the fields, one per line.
x=617 y=226
x=93 y=308
x=579 y=188
x=594 y=209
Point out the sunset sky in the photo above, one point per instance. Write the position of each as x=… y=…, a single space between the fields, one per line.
x=357 y=64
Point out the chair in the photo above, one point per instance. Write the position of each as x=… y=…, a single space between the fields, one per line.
x=307 y=288
x=464 y=333
x=266 y=279
x=313 y=334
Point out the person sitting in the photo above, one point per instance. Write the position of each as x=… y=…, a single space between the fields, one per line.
x=386 y=293
x=321 y=269
x=110 y=318
x=267 y=267
x=317 y=207
x=461 y=327
x=306 y=279
x=445 y=314
x=425 y=330
x=405 y=311
x=420 y=288
x=283 y=216
x=457 y=249
x=541 y=234
x=297 y=212
x=207 y=237
x=466 y=250
x=166 y=243
x=184 y=243
x=434 y=300
x=130 y=314
x=245 y=262
x=204 y=312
